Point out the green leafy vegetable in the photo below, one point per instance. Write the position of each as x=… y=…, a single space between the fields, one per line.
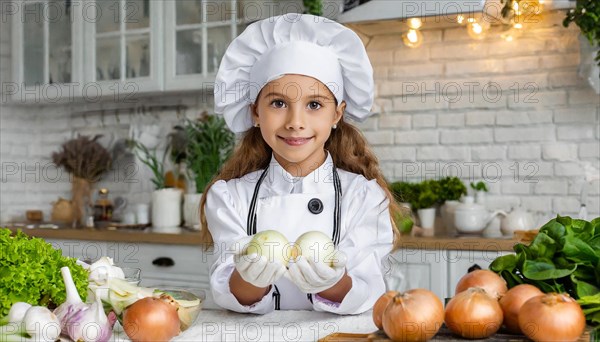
x=563 y=257
x=30 y=272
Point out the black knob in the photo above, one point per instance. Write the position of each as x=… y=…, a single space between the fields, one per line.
x=315 y=206
x=163 y=262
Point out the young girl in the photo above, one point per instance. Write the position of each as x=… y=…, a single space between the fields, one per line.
x=287 y=83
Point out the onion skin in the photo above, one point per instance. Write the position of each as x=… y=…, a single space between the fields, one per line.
x=492 y=283
x=512 y=302
x=473 y=314
x=415 y=315
x=552 y=317
x=151 y=319
x=380 y=306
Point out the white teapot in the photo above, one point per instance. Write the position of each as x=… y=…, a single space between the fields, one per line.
x=517 y=219
x=472 y=218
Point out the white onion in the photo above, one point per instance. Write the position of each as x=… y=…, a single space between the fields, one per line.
x=271 y=244
x=315 y=245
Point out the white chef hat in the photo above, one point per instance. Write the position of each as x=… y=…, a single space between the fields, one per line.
x=293 y=44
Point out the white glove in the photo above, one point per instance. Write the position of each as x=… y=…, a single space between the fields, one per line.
x=257 y=270
x=315 y=276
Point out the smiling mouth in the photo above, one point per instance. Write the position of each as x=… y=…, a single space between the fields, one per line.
x=295 y=141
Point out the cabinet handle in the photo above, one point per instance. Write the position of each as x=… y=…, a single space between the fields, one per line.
x=163 y=262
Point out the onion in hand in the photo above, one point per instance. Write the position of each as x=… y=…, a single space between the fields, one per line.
x=473 y=314
x=492 y=283
x=380 y=306
x=271 y=244
x=512 y=302
x=315 y=245
x=552 y=317
x=151 y=319
x=415 y=315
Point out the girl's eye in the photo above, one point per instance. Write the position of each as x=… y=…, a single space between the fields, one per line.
x=277 y=103
x=314 y=105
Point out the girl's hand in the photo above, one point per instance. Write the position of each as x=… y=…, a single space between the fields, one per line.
x=315 y=276
x=259 y=271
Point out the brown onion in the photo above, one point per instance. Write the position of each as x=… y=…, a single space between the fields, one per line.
x=492 y=283
x=415 y=315
x=380 y=306
x=151 y=319
x=473 y=314
x=511 y=303
x=552 y=317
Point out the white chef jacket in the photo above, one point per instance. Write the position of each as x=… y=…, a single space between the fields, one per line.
x=365 y=233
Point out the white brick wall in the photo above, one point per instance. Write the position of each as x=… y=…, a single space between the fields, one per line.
x=515 y=114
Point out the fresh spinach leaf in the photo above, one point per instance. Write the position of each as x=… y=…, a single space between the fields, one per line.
x=578 y=251
x=554 y=229
x=543 y=269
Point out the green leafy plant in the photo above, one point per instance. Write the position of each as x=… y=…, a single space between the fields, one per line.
x=586 y=15
x=30 y=272
x=209 y=145
x=563 y=257
x=149 y=158
x=479 y=186
x=451 y=189
x=314 y=7
x=419 y=195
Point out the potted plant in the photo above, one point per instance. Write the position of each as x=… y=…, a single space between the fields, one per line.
x=480 y=190
x=422 y=198
x=166 y=202
x=451 y=190
x=86 y=161
x=209 y=144
x=428 y=195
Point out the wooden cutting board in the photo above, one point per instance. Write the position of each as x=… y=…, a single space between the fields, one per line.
x=443 y=335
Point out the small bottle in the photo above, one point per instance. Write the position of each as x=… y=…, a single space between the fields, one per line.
x=103 y=208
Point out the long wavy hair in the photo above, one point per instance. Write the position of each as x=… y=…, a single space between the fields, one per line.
x=346 y=144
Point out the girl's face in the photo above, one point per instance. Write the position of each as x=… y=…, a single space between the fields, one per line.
x=296 y=114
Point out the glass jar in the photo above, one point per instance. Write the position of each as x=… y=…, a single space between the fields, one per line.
x=103 y=208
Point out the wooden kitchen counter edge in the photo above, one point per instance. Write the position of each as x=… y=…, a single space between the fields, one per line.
x=193 y=238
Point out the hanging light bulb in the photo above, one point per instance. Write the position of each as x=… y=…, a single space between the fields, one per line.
x=477 y=30
x=511 y=32
x=415 y=23
x=516 y=7
x=531 y=7
x=412 y=38
x=460 y=19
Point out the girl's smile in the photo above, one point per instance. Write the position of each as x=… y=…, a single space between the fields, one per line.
x=296 y=114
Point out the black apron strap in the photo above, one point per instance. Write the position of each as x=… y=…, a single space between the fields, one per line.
x=277 y=298
x=251 y=221
x=337 y=185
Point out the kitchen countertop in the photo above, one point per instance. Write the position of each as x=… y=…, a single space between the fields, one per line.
x=188 y=237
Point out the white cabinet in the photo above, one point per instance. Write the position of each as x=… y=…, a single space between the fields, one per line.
x=435 y=270
x=418 y=268
x=123 y=47
x=166 y=265
x=46 y=50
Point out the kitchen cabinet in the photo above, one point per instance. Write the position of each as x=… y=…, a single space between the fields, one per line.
x=161 y=265
x=436 y=270
x=46 y=55
x=117 y=49
x=123 y=47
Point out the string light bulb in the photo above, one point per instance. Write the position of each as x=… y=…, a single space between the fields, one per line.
x=415 y=23
x=412 y=38
x=477 y=30
x=460 y=19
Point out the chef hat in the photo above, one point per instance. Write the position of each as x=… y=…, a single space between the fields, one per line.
x=293 y=44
